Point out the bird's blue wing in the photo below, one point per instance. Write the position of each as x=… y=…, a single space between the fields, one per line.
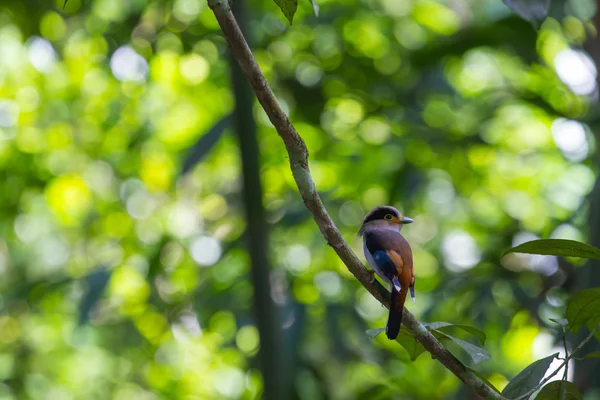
x=375 y=244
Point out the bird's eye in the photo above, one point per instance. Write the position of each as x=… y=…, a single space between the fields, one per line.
x=388 y=217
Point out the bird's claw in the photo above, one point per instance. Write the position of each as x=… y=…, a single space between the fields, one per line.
x=372 y=273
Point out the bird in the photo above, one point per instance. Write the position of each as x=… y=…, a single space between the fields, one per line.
x=390 y=256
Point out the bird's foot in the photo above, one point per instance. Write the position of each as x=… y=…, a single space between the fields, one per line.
x=372 y=273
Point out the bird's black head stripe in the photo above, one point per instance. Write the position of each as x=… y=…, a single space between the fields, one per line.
x=380 y=213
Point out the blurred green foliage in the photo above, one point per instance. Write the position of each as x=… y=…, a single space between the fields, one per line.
x=124 y=278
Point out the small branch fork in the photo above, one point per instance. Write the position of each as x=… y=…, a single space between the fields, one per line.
x=565 y=363
x=298 y=154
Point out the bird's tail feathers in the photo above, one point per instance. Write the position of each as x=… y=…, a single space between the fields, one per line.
x=392 y=329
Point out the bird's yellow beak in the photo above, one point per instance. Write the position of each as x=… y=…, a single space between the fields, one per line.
x=402 y=220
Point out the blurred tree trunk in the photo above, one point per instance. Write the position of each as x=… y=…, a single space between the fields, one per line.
x=586 y=372
x=266 y=313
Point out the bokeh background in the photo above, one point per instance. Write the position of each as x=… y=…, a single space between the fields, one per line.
x=124 y=269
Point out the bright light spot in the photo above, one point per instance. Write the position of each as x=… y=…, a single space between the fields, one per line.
x=281 y=51
x=374 y=196
x=297 y=258
x=554 y=300
x=128 y=285
x=247 y=339
x=542 y=347
x=542 y=344
x=69 y=197
x=171 y=255
x=9 y=113
x=480 y=71
x=518 y=204
x=229 y=382
x=100 y=178
x=140 y=205
x=205 y=250
x=570 y=138
x=328 y=283
x=186 y=10
x=127 y=65
x=442 y=195
x=424 y=231
x=545 y=265
x=194 y=68
x=41 y=54
x=188 y=325
x=410 y=34
x=308 y=74
x=569 y=190
x=184 y=220
x=374 y=131
x=566 y=231
x=191 y=324
x=95 y=82
x=129 y=187
x=349 y=111
x=460 y=251
x=28 y=228
x=523 y=237
x=54 y=252
x=577 y=71
x=10 y=49
x=149 y=230
x=28 y=98
x=397 y=8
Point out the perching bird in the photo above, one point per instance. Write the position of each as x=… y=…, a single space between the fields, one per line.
x=390 y=256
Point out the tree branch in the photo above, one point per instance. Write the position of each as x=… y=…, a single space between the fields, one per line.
x=298 y=154
x=566 y=373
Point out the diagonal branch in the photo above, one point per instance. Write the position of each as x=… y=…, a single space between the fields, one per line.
x=298 y=154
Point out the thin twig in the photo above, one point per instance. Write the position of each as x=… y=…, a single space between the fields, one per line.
x=567 y=359
x=566 y=373
x=298 y=154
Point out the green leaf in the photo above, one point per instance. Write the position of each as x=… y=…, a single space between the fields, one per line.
x=528 y=378
x=554 y=391
x=560 y=321
x=584 y=308
x=443 y=326
x=595 y=354
x=557 y=247
x=410 y=344
x=531 y=10
x=372 y=333
x=288 y=7
x=476 y=353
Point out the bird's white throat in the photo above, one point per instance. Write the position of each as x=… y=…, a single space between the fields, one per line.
x=382 y=224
